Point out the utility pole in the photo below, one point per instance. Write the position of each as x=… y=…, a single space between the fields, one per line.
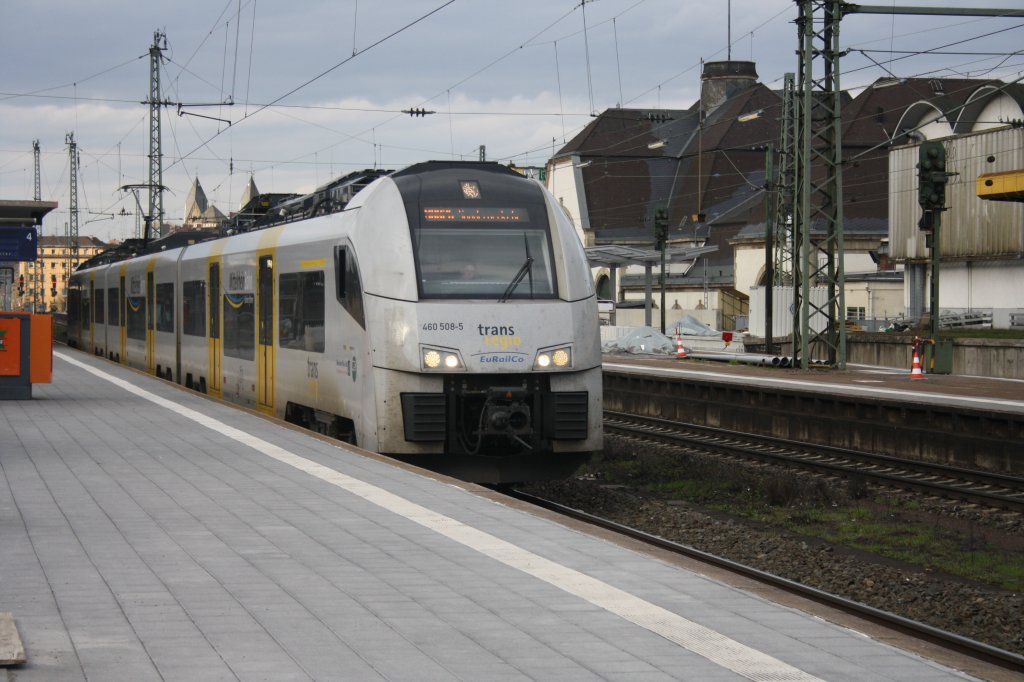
x=932 y=178
x=661 y=244
x=156 y=175
x=72 y=229
x=769 y=248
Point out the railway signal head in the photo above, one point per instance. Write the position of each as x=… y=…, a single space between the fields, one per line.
x=660 y=228
x=931 y=176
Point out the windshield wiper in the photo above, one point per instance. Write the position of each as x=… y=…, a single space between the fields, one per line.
x=526 y=269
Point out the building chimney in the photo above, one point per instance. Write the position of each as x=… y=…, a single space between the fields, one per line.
x=722 y=80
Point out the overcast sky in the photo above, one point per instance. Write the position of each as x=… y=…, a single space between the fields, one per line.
x=318 y=85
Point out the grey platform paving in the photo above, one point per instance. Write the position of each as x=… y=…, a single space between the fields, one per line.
x=147 y=533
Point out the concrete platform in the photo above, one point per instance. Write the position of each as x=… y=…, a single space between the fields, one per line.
x=147 y=533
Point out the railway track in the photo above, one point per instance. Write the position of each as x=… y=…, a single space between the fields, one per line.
x=968 y=485
x=1006 y=660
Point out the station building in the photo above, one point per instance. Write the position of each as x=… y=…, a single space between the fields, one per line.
x=706 y=165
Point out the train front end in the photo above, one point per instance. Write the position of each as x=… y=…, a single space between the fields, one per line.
x=491 y=369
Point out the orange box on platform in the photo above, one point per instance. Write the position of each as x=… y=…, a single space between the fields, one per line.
x=40 y=350
x=10 y=346
x=41 y=353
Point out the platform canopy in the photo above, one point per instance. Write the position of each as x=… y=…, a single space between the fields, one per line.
x=614 y=255
x=23 y=212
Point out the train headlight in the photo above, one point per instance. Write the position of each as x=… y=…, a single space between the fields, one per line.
x=435 y=359
x=559 y=357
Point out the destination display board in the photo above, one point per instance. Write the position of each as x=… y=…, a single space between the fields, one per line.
x=18 y=243
x=453 y=214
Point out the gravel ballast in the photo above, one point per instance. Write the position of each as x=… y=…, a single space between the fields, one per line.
x=986 y=614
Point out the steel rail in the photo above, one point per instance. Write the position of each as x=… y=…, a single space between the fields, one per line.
x=988 y=489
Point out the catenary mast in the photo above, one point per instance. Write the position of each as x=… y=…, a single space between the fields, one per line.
x=156 y=189
x=37 y=195
x=72 y=230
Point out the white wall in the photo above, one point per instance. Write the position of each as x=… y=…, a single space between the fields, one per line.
x=748 y=266
x=561 y=182
x=981 y=285
x=880 y=300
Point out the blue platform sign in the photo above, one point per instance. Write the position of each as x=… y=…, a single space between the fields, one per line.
x=18 y=243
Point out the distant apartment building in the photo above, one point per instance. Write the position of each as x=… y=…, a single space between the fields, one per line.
x=41 y=285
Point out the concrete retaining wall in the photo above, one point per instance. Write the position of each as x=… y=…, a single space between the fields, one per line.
x=1002 y=358
x=956 y=436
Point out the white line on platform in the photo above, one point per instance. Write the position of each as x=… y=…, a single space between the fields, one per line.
x=712 y=645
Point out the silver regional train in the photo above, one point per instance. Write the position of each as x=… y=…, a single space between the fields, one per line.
x=444 y=314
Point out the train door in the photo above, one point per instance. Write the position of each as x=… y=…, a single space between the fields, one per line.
x=265 y=334
x=122 y=328
x=91 y=313
x=215 y=349
x=150 y=318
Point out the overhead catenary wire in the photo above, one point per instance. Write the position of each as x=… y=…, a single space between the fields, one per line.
x=453 y=113
x=317 y=77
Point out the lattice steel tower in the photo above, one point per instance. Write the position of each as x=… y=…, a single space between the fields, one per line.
x=37 y=195
x=156 y=174
x=37 y=185
x=782 y=256
x=72 y=230
x=818 y=217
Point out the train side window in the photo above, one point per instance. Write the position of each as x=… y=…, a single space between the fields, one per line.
x=113 y=316
x=86 y=317
x=193 y=308
x=240 y=326
x=98 y=306
x=135 y=311
x=74 y=301
x=165 y=307
x=214 y=300
x=349 y=290
x=300 y=311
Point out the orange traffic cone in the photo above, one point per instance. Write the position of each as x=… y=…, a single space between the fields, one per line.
x=680 y=350
x=915 y=367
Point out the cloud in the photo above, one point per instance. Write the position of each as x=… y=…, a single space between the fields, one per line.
x=486 y=68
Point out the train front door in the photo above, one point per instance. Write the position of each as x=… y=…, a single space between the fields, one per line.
x=150 y=319
x=265 y=334
x=91 y=313
x=122 y=316
x=215 y=348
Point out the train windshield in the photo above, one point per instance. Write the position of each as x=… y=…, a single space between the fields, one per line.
x=489 y=257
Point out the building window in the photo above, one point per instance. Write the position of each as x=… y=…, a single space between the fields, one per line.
x=855 y=313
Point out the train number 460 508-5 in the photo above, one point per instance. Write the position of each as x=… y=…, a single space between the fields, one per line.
x=442 y=326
